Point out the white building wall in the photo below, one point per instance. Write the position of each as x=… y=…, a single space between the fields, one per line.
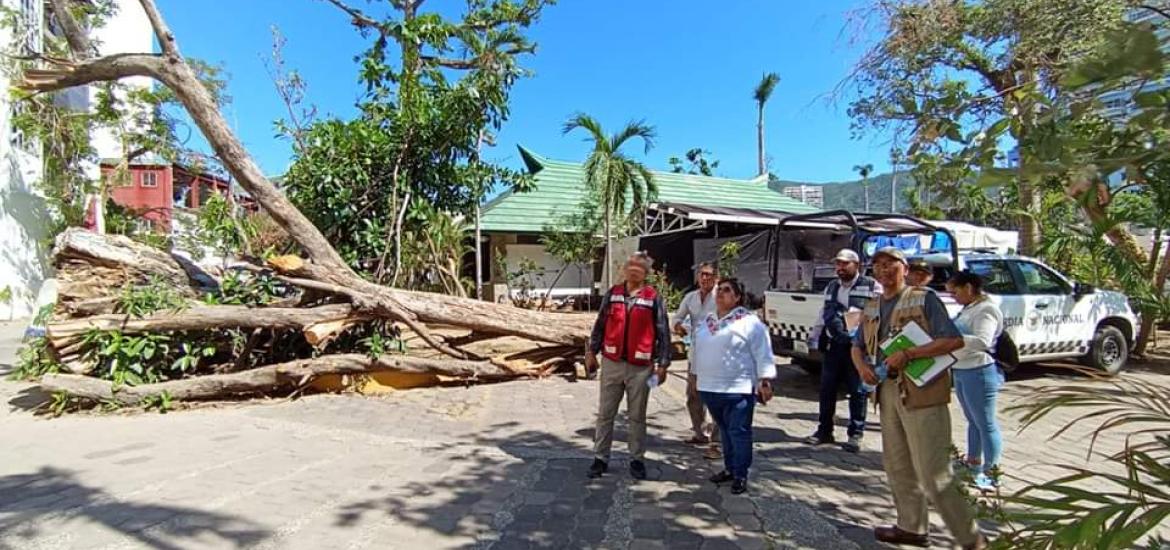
x=24 y=215
x=23 y=261
x=128 y=31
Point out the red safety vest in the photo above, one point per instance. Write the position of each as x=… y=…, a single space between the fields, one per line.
x=629 y=332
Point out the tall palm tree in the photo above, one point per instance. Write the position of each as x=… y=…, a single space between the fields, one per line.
x=761 y=94
x=612 y=174
x=864 y=170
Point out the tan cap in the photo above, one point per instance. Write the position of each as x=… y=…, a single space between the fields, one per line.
x=847 y=255
x=893 y=252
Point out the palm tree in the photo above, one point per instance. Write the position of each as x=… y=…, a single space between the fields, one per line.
x=864 y=170
x=762 y=93
x=612 y=174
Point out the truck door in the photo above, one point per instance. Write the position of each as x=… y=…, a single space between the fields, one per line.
x=1050 y=315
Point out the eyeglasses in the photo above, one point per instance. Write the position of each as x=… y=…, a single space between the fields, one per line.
x=706 y=275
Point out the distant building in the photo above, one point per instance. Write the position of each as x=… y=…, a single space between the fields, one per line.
x=513 y=223
x=159 y=189
x=1118 y=105
x=812 y=195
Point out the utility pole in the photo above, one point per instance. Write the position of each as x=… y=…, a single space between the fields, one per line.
x=478 y=236
x=897 y=156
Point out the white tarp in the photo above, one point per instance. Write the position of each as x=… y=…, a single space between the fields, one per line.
x=971 y=237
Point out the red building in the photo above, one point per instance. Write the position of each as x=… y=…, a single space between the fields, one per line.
x=157 y=188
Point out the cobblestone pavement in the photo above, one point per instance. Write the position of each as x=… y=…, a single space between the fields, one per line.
x=498 y=466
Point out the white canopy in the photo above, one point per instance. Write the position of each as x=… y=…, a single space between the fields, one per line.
x=972 y=237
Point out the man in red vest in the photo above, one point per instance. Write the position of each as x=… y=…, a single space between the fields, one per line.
x=633 y=337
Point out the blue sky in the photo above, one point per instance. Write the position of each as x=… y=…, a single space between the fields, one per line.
x=685 y=66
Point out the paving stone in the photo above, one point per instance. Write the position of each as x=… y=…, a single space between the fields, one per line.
x=646 y=544
x=648 y=529
x=719 y=544
x=745 y=522
x=737 y=504
x=539 y=498
x=434 y=468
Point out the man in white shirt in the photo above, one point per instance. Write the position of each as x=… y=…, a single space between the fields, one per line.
x=695 y=307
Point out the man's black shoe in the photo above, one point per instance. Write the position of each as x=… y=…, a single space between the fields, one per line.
x=638 y=469
x=597 y=468
x=739 y=486
x=722 y=477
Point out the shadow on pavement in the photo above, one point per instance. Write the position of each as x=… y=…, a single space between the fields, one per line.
x=529 y=489
x=39 y=505
x=29 y=399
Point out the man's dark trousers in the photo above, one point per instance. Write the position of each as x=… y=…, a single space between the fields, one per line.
x=838 y=369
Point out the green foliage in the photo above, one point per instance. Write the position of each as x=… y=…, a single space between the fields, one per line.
x=34 y=360
x=155 y=295
x=220 y=227
x=1040 y=94
x=433 y=247
x=696 y=163
x=671 y=295
x=162 y=402
x=62 y=402
x=382 y=341
x=136 y=359
x=417 y=140
x=573 y=239
x=132 y=223
x=729 y=259
x=764 y=89
x=125 y=359
x=521 y=282
x=190 y=354
x=610 y=174
x=1067 y=513
x=247 y=289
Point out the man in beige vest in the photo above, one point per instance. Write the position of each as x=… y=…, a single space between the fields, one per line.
x=916 y=421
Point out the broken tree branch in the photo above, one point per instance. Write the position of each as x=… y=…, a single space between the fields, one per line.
x=270 y=378
x=103 y=69
x=63 y=333
x=75 y=36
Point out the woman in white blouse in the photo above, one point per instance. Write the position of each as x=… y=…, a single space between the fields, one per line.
x=733 y=366
x=978 y=378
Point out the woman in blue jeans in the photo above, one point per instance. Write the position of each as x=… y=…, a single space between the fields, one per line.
x=978 y=378
x=733 y=365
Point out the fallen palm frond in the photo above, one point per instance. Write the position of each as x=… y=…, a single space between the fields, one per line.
x=1119 y=502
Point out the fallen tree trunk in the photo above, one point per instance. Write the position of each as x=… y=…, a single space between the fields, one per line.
x=115 y=261
x=91 y=267
x=271 y=378
x=63 y=333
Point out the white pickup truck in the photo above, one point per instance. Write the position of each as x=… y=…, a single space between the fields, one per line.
x=1046 y=316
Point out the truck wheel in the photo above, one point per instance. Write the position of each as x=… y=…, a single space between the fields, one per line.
x=813 y=368
x=1108 y=351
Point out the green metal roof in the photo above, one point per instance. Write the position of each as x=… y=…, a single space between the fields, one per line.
x=560 y=186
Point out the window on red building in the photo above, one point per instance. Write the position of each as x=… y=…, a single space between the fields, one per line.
x=149 y=179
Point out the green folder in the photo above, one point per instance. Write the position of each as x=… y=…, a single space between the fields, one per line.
x=924 y=369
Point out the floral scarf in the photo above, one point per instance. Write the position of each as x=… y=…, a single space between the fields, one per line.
x=715 y=325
